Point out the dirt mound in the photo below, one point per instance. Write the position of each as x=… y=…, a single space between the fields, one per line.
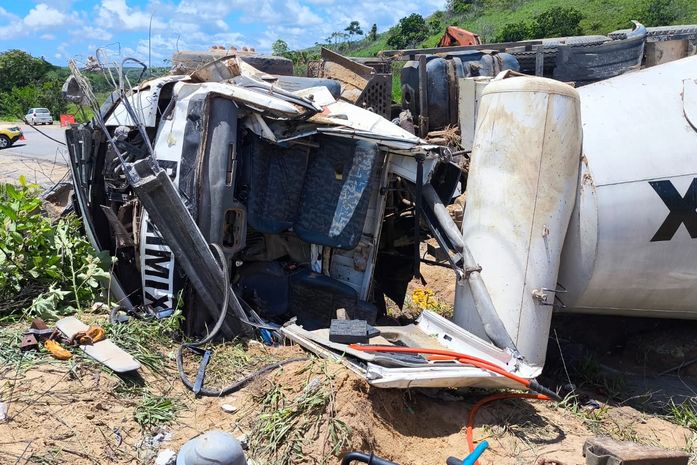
x=78 y=414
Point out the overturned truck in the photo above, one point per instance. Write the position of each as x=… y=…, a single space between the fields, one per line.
x=294 y=214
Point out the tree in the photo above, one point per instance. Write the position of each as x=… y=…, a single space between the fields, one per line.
x=354 y=29
x=27 y=81
x=280 y=48
x=513 y=32
x=18 y=69
x=558 y=21
x=458 y=6
x=373 y=34
x=409 y=32
x=435 y=22
x=657 y=12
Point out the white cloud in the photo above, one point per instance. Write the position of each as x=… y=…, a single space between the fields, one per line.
x=116 y=14
x=43 y=15
x=197 y=24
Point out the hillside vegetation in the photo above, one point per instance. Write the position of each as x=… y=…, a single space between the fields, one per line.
x=497 y=21
x=491 y=18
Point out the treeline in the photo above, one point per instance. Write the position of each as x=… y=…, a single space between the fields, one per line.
x=28 y=82
x=349 y=39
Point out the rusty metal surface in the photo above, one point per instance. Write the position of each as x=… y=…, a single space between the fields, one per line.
x=457 y=36
x=607 y=451
x=348 y=63
x=409 y=54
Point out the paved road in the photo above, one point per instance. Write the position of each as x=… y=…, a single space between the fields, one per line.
x=37 y=146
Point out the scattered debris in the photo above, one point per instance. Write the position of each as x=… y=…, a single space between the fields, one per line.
x=228 y=408
x=103 y=350
x=3 y=411
x=166 y=457
x=57 y=350
x=607 y=451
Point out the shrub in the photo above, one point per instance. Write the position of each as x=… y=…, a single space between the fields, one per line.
x=409 y=32
x=513 y=32
x=657 y=12
x=49 y=265
x=558 y=21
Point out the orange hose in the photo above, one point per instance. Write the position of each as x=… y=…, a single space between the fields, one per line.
x=486 y=400
x=462 y=358
x=438 y=354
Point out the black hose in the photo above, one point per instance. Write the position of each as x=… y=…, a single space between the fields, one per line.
x=364 y=458
x=236 y=386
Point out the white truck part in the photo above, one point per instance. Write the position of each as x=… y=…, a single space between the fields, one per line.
x=630 y=248
x=521 y=190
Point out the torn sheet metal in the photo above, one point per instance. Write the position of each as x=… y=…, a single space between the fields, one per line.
x=270 y=104
x=431 y=331
x=144 y=101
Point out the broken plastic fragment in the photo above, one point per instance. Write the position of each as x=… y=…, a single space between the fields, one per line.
x=57 y=351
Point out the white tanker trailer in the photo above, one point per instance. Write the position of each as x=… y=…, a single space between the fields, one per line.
x=618 y=226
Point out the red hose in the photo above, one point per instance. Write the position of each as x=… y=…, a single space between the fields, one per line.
x=475 y=408
x=438 y=354
x=462 y=358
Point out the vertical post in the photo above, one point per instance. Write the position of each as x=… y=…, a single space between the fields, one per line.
x=539 y=60
x=423 y=97
x=417 y=214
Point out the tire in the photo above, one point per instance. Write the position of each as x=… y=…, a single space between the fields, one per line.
x=664 y=32
x=51 y=123
x=4 y=142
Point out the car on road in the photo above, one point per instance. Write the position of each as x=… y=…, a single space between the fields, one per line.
x=9 y=135
x=38 y=116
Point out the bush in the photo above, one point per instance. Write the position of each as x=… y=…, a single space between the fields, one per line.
x=657 y=12
x=409 y=32
x=49 y=266
x=558 y=21
x=436 y=22
x=459 y=6
x=514 y=32
x=554 y=22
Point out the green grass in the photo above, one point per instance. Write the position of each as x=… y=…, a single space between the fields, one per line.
x=154 y=410
x=683 y=414
x=600 y=17
x=145 y=340
x=284 y=423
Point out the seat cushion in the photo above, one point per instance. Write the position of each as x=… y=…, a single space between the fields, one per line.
x=338 y=183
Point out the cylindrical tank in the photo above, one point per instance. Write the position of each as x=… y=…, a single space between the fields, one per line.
x=631 y=248
x=521 y=190
x=442 y=74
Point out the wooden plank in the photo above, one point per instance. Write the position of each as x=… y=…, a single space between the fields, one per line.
x=408 y=54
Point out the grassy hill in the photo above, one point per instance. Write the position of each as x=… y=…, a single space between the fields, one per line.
x=488 y=17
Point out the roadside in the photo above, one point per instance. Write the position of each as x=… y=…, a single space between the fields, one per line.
x=39 y=159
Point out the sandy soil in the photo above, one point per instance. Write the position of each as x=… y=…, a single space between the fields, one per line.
x=74 y=412
x=41 y=172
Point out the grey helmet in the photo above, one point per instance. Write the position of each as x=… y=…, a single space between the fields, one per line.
x=212 y=448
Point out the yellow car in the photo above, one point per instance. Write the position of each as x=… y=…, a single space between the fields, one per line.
x=9 y=135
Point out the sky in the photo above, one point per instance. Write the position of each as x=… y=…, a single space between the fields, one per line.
x=60 y=30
